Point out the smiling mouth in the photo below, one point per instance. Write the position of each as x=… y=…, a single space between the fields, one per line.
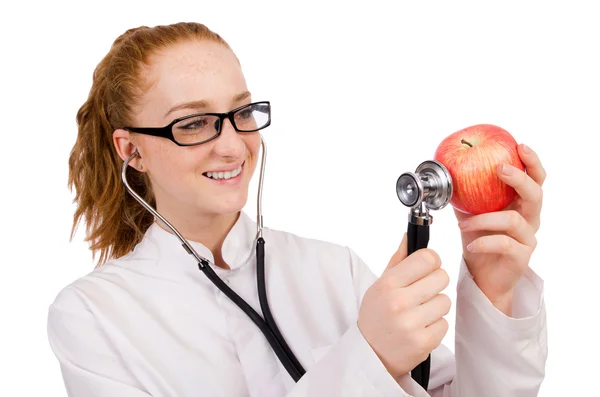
x=224 y=175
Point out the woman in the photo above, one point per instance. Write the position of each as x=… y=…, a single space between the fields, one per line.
x=149 y=323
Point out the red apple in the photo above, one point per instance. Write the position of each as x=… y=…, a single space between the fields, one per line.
x=472 y=156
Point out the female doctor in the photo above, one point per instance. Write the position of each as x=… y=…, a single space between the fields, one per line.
x=148 y=322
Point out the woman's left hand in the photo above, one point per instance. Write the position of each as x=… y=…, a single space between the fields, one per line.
x=497 y=246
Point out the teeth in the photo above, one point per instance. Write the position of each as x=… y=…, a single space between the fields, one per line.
x=225 y=175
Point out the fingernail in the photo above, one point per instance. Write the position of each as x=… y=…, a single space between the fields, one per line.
x=526 y=149
x=463 y=224
x=507 y=169
x=470 y=247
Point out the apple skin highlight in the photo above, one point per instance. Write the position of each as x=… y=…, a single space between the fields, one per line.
x=472 y=156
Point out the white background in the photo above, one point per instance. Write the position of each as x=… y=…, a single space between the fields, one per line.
x=361 y=92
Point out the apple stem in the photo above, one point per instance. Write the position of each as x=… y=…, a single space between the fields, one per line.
x=466 y=142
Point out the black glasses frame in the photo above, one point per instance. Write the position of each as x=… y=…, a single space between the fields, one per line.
x=167 y=131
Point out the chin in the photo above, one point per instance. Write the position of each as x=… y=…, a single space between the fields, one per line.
x=230 y=205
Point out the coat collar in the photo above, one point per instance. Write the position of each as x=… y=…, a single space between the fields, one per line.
x=166 y=249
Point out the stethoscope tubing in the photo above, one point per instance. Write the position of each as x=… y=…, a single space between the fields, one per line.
x=264 y=304
x=418 y=237
x=267 y=325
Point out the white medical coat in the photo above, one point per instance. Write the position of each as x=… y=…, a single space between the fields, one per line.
x=152 y=324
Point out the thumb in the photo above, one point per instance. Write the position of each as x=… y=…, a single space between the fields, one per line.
x=400 y=254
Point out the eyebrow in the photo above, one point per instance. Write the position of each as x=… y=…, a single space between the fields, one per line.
x=203 y=103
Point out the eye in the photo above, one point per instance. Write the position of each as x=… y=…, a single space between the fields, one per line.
x=195 y=123
x=245 y=113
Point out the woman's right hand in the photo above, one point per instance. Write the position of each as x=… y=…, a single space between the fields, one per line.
x=401 y=314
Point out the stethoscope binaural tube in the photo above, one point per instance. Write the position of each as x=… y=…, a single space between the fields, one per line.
x=429 y=187
x=267 y=326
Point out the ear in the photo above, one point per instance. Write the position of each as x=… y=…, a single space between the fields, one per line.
x=124 y=145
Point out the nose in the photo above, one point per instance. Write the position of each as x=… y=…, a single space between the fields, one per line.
x=229 y=143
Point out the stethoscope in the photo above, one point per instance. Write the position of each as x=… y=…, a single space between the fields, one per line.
x=430 y=187
x=267 y=325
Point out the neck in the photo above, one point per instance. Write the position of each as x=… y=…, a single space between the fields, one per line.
x=209 y=230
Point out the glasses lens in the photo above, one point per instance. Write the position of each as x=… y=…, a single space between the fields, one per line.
x=253 y=117
x=195 y=129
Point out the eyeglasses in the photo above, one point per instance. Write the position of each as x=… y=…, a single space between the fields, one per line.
x=197 y=129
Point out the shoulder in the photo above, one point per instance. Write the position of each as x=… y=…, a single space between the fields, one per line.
x=80 y=328
x=83 y=310
x=83 y=293
x=70 y=315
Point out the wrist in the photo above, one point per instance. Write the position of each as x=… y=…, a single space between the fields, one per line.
x=503 y=303
x=501 y=300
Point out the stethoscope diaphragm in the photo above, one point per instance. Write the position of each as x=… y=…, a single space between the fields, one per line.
x=431 y=183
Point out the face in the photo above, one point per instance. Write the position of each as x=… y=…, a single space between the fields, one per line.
x=194 y=77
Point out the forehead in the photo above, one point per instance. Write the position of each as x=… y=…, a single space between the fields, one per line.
x=192 y=71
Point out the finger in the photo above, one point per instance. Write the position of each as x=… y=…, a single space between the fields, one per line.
x=425 y=289
x=414 y=267
x=532 y=163
x=524 y=185
x=461 y=215
x=429 y=312
x=528 y=190
x=506 y=246
x=510 y=222
x=400 y=253
x=436 y=332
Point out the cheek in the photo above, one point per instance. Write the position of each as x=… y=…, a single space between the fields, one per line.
x=156 y=153
x=253 y=146
x=167 y=162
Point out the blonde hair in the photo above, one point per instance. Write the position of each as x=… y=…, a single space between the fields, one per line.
x=115 y=222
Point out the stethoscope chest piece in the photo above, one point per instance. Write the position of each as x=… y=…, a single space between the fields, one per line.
x=429 y=187
x=431 y=184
